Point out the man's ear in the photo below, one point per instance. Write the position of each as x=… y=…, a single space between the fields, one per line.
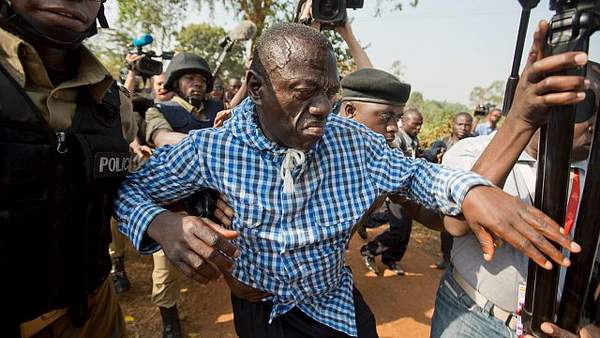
x=255 y=83
x=349 y=110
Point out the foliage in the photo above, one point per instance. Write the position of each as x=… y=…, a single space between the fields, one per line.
x=436 y=117
x=394 y=5
x=494 y=94
x=397 y=69
x=203 y=39
x=160 y=18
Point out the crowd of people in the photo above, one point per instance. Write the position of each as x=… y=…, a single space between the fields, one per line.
x=262 y=180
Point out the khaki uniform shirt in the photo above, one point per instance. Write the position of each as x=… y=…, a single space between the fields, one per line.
x=58 y=103
x=155 y=120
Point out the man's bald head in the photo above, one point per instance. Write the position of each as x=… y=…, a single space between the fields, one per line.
x=293 y=81
x=274 y=47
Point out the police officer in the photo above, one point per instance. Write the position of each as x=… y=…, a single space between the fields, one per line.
x=64 y=132
x=189 y=76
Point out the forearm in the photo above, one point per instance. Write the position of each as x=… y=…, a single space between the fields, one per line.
x=500 y=156
x=239 y=96
x=130 y=82
x=172 y=174
x=164 y=137
x=358 y=53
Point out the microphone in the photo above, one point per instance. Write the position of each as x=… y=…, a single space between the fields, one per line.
x=244 y=31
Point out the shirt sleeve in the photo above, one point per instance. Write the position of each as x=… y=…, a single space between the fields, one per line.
x=171 y=174
x=433 y=186
x=155 y=120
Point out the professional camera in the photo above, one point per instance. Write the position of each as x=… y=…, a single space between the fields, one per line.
x=330 y=13
x=483 y=109
x=147 y=66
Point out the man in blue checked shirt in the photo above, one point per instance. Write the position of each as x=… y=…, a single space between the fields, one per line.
x=298 y=178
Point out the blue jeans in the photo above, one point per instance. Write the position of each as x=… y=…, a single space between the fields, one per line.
x=457 y=315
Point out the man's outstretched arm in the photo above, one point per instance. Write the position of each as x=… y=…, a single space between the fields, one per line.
x=198 y=247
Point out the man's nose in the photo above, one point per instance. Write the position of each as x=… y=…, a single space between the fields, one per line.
x=392 y=127
x=321 y=106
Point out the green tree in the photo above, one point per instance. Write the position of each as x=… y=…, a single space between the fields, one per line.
x=161 y=18
x=203 y=39
x=494 y=93
x=436 y=116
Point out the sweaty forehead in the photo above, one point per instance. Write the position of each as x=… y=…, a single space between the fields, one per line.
x=292 y=57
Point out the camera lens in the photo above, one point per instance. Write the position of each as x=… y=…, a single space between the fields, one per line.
x=329 y=9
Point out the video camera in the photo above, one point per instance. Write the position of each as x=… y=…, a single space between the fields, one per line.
x=147 y=66
x=330 y=13
x=483 y=109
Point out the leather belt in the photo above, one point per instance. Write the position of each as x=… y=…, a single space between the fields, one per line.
x=507 y=317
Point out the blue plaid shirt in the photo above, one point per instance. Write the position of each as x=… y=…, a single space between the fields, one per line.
x=292 y=244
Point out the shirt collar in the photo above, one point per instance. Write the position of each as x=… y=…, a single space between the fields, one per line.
x=27 y=68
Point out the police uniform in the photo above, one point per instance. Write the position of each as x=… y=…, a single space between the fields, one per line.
x=59 y=279
x=376 y=86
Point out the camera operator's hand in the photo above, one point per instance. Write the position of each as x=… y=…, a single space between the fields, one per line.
x=197 y=246
x=552 y=330
x=306 y=16
x=358 y=53
x=536 y=91
x=130 y=60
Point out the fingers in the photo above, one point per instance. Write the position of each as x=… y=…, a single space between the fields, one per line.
x=533 y=238
x=562 y=84
x=537 y=46
x=210 y=254
x=485 y=240
x=223 y=212
x=209 y=232
x=549 y=228
x=191 y=273
x=555 y=331
x=555 y=63
x=226 y=233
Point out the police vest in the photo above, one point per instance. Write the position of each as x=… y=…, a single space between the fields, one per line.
x=56 y=197
x=183 y=121
x=203 y=202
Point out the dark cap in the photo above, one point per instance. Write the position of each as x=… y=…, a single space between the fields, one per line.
x=187 y=63
x=373 y=85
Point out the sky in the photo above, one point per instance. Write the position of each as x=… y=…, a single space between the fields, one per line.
x=446 y=47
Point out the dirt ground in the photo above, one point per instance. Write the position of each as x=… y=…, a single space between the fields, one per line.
x=403 y=306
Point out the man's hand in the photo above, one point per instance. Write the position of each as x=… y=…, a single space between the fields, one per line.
x=221 y=117
x=536 y=91
x=491 y=210
x=589 y=331
x=223 y=211
x=197 y=246
x=141 y=151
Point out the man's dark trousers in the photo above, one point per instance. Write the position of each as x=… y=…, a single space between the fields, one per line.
x=252 y=321
x=447 y=240
x=392 y=243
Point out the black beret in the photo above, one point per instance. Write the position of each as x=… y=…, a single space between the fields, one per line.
x=373 y=85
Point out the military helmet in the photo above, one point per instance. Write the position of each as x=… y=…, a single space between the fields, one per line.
x=186 y=63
